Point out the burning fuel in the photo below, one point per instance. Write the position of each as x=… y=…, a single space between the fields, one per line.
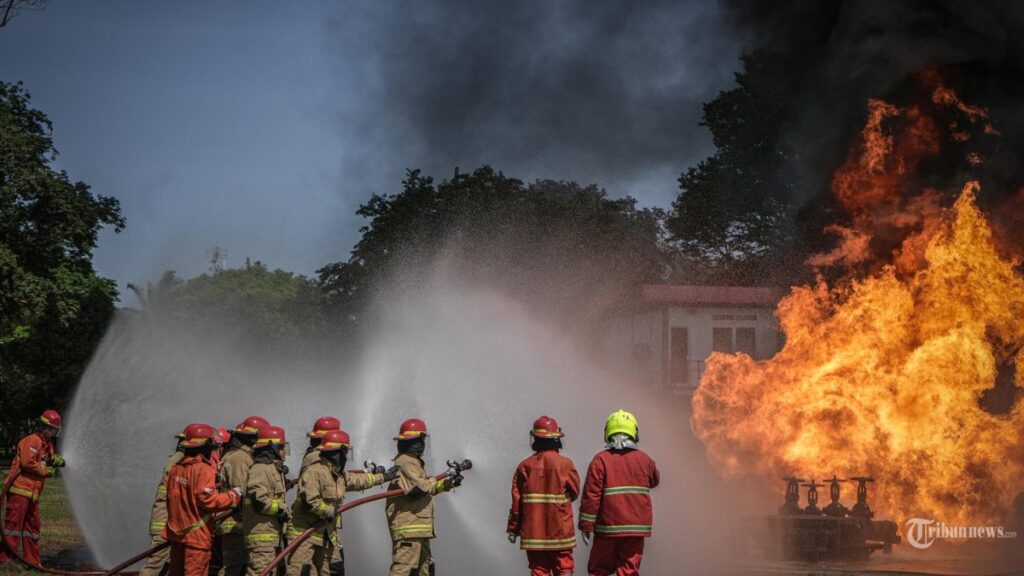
x=891 y=371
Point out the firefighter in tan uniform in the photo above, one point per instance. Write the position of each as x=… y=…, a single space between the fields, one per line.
x=264 y=511
x=322 y=487
x=411 y=514
x=158 y=561
x=322 y=426
x=234 y=470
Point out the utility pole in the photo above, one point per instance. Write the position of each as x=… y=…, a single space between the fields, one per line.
x=218 y=259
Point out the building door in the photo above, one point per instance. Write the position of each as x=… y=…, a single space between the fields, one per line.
x=679 y=353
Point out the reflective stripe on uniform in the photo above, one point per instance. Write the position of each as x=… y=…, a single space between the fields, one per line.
x=202 y=522
x=545 y=498
x=21 y=534
x=25 y=493
x=588 y=517
x=627 y=490
x=549 y=543
x=257 y=538
x=229 y=524
x=316 y=538
x=412 y=529
x=161 y=490
x=322 y=509
x=624 y=529
x=157 y=526
x=275 y=505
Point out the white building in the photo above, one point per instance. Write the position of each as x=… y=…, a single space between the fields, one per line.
x=662 y=334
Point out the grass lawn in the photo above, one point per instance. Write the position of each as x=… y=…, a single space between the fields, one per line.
x=60 y=534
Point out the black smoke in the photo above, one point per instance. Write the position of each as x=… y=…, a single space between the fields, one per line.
x=598 y=92
x=841 y=53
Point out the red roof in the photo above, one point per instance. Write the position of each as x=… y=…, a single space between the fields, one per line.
x=711 y=295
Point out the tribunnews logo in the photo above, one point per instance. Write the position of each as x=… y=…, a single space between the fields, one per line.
x=923 y=532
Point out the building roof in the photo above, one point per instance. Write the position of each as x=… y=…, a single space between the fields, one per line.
x=710 y=295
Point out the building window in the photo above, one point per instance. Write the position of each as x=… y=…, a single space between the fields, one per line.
x=721 y=340
x=731 y=341
x=679 y=353
x=745 y=341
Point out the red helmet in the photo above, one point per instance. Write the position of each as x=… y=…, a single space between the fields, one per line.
x=269 y=435
x=546 y=427
x=184 y=433
x=222 y=437
x=198 y=435
x=252 y=425
x=412 y=428
x=51 y=418
x=324 y=425
x=335 y=440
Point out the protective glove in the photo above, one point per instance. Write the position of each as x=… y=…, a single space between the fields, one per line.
x=389 y=474
x=289 y=484
x=329 y=513
x=58 y=461
x=51 y=472
x=238 y=492
x=284 y=514
x=284 y=469
x=586 y=538
x=512 y=537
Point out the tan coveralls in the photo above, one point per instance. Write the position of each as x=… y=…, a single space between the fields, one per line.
x=322 y=488
x=411 y=517
x=312 y=456
x=234 y=469
x=158 y=521
x=261 y=525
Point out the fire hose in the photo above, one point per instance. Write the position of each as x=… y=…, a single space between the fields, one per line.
x=454 y=470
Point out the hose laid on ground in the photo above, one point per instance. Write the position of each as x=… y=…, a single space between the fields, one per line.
x=17 y=555
x=365 y=499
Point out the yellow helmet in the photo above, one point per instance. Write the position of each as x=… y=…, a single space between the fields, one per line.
x=621 y=422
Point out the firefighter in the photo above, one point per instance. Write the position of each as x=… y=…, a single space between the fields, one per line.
x=543 y=489
x=192 y=499
x=322 y=487
x=322 y=426
x=265 y=512
x=617 y=500
x=234 y=472
x=35 y=460
x=157 y=562
x=411 y=514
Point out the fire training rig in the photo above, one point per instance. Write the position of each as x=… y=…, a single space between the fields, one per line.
x=835 y=532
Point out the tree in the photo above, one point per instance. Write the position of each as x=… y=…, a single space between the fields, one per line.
x=558 y=246
x=53 y=307
x=732 y=217
x=10 y=8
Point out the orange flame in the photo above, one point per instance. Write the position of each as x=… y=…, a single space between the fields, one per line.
x=884 y=375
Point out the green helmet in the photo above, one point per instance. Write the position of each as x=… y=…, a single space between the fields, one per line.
x=621 y=422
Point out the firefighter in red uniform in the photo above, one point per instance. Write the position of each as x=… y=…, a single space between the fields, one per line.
x=35 y=460
x=543 y=489
x=192 y=499
x=617 y=500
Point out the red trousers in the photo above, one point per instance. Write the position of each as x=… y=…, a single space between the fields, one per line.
x=550 y=562
x=21 y=528
x=619 y=556
x=188 y=561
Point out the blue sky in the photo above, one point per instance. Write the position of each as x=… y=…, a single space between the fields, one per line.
x=261 y=126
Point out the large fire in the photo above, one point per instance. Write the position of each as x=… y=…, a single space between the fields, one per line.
x=884 y=373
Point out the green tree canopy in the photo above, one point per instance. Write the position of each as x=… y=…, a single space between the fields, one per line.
x=53 y=306
x=733 y=216
x=555 y=245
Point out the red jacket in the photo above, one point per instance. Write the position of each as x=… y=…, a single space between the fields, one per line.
x=30 y=459
x=543 y=489
x=192 y=499
x=617 y=494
